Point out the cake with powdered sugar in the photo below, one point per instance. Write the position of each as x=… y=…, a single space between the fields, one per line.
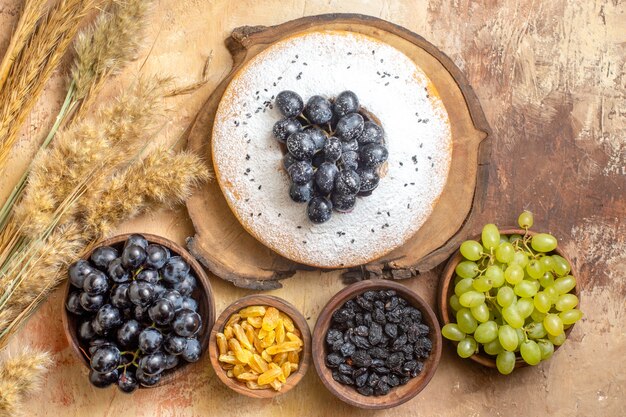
x=263 y=175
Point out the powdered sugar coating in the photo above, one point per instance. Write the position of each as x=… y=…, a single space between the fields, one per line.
x=248 y=159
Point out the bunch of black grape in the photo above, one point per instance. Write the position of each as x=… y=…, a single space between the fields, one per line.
x=139 y=318
x=334 y=154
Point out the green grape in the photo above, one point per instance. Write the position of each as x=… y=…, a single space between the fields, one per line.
x=512 y=316
x=492 y=348
x=463 y=286
x=486 y=332
x=466 y=322
x=505 y=362
x=481 y=313
x=466 y=269
x=467 y=347
x=570 y=316
x=536 y=330
x=547 y=349
x=454 y=303
x=542 y=302
x=557 y=340
x=525 y=220
x=520 y=337
x=505 y=252
x=565 y=284
x=514 y=238
x=520 y=258
x=525 y=307
x=525 y=288
x=547 y=263
x=561 y=266
x=451 y=331
x=553 y=324
x=471 y=299
x=508 y=337
x=503 y=239
x=546 y=280
x=534 y=269
x=514 y=274
x=552 y=293
x=482 y=284
x=537 y=315
x=543 y=242
x=471 y=250
x=495 y=274
x=457 y=279
x=506 y=296
x=531 y=353
x=490 y=236
x=566 y=302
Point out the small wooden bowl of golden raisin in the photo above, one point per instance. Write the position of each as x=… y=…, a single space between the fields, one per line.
x=260 y=346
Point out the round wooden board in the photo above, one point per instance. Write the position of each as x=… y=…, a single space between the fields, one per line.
x=223 y=245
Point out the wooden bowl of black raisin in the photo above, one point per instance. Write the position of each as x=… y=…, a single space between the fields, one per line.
x=376 y=344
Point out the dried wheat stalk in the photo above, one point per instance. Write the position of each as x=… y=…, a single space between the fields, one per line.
x=34 y=66
x=20 y=376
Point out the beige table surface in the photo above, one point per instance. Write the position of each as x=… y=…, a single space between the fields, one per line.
x=551 y=77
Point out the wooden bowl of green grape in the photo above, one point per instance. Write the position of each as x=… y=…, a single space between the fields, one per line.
x=507 y=298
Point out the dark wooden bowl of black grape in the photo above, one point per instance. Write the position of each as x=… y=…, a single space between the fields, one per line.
x=137 y=310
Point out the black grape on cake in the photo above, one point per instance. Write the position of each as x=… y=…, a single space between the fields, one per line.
x=333 y=152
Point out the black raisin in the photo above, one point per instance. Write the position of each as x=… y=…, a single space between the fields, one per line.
x=379 y=316
x=379 y=304
x=399 y=343
x=361 y=359
x=373 y=380
x=375 y=334
x=358 y=319
x=381 y=370
x=394 y=316
x=344 y=368
x=382 y=388
x=394 y=360
x=343 y=379
x=343 y=315
x=408 y=367
x=347 y=349
x=370 y=295
x=413 y=333
x=394 y=381
x=391 y=293
x=366 y=391
x=362 y=342
x=367 y=319
x=336 y=347
x=424 y=329
x=378 y=352
x=333 y=335
x=361 y=331
x=418 y=369
x=392 y=304
x=404 y=380
x=365 y=304
x=361 y=380
x=334 y=360
x=391 y=330
x=424 y=343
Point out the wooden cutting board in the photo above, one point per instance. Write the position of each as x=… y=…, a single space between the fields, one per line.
x=225 y=248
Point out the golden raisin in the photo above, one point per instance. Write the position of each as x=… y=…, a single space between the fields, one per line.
x=232 y=320
x=270 y=320
x=286 y=368
x=248 y=376
x=293 y=357
x=283 y=347
x=252 y=311
x=280 y=331
x=255 y=322
x=280 y=358
x=241 y=336
x=258 y=364
x=269 y=375
x=287 y=322
x=222 y=344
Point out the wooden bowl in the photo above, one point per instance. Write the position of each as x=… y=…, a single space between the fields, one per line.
x=446 y=289
x=299 y=322
x=398 y=395
x=203 y=295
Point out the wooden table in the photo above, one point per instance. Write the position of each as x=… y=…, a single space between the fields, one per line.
x=551 y=78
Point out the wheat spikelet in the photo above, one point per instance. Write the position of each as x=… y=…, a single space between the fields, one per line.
x=103 y=49
x=20 y=376
x=32 y=12
x=34 y=66
x=88 y=149
x=163 y=177
x=36 y=278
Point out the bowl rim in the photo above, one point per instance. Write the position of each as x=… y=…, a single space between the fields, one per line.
x=373 y=402
x=202 y=279
x=298 y=320
x=444 y=289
